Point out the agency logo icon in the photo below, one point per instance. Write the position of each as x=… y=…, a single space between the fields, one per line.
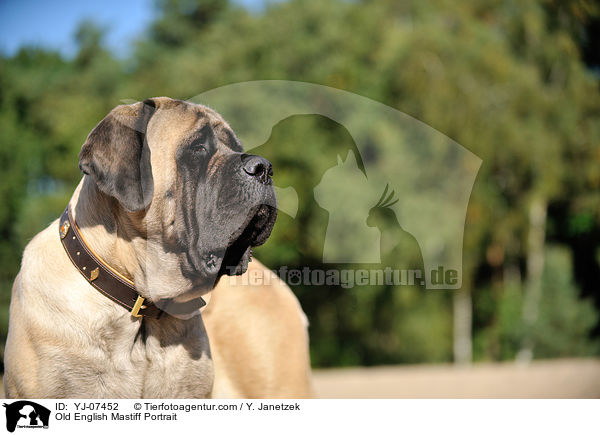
x=396 y=199
x=25 y=414
x=430 y=174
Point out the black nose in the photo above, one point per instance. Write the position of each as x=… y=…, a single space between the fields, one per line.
x=258 y=167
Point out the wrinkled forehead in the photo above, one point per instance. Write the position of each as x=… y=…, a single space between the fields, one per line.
x=178 y=123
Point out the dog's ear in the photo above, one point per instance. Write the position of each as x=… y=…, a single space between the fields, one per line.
x=116 y=155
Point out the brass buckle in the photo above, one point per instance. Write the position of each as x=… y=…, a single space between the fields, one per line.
x=137 y=306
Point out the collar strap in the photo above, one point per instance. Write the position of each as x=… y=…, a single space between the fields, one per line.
x=104 y=278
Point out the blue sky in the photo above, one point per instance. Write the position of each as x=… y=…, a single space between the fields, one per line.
x=52 y=23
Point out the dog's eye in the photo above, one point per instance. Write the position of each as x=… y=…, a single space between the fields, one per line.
x=198 y=148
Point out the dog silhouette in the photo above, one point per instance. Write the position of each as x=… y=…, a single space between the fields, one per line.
x=28 y=410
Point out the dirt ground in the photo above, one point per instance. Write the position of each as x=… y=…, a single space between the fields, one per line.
x=566 y=378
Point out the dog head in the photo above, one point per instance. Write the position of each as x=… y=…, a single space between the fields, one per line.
x=179 y=175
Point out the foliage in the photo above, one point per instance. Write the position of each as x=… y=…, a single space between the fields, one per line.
x=503 y=78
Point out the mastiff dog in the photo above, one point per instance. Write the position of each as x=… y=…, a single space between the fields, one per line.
x=134 y=293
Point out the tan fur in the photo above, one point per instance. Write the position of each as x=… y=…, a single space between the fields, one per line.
x=240 y=320
x=68 y=340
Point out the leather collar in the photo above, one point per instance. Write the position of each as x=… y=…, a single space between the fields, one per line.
x=104 y=278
